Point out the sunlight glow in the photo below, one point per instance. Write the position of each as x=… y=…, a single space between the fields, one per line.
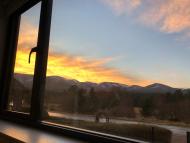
x=75 y=68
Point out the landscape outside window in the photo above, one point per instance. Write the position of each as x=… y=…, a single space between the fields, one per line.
x=120 y=67
x=21 y=84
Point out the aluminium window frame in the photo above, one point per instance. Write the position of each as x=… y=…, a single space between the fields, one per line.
x=33 y=120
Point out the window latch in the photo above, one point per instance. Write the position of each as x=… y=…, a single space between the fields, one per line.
x=32 y=51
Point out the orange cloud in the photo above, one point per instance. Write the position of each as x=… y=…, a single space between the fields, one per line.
x=78 y=68
x=27 y=40
x=87 y=70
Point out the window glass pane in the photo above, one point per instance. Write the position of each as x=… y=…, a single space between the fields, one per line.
x=22 y=81
x=116 y=63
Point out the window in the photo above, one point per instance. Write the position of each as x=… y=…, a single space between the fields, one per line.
x=24 y=66
x=107 y=71
x=110 y=69
x=22 y=82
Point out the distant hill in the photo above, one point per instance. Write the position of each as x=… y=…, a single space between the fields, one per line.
x=59 y=84
x=157 y=87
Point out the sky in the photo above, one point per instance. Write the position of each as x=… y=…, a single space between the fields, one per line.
x=134 y=42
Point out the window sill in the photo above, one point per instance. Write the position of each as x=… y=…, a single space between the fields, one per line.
x=39 y=132
x=30 y=135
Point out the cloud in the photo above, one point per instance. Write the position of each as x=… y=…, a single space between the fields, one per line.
x=122 y=6
x=28 y=35
x=76 y=67
x=27 y=39
x=69 y=66
x=87 y=70
x=168 y=16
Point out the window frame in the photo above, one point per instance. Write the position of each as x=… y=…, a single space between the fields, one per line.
x=40 y=61
x=33 y=119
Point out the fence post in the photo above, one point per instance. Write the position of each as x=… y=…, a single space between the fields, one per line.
x=152 y=134
x=188 y=137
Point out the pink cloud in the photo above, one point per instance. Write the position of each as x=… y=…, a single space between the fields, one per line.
x=168 y=16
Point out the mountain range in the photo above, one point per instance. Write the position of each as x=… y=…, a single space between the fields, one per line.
x=58 y=84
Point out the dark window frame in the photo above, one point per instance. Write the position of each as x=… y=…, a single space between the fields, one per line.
x=34 y=118
x=40 y=61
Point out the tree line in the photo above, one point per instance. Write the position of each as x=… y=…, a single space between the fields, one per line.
x=121 y=103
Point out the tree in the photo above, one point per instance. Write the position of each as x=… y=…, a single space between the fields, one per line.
x=147 y=107
x=93 y=104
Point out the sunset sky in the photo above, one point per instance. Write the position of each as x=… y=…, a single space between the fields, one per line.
x=127 y=41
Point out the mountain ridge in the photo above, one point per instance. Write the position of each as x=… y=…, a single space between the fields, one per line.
x=57 y=83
